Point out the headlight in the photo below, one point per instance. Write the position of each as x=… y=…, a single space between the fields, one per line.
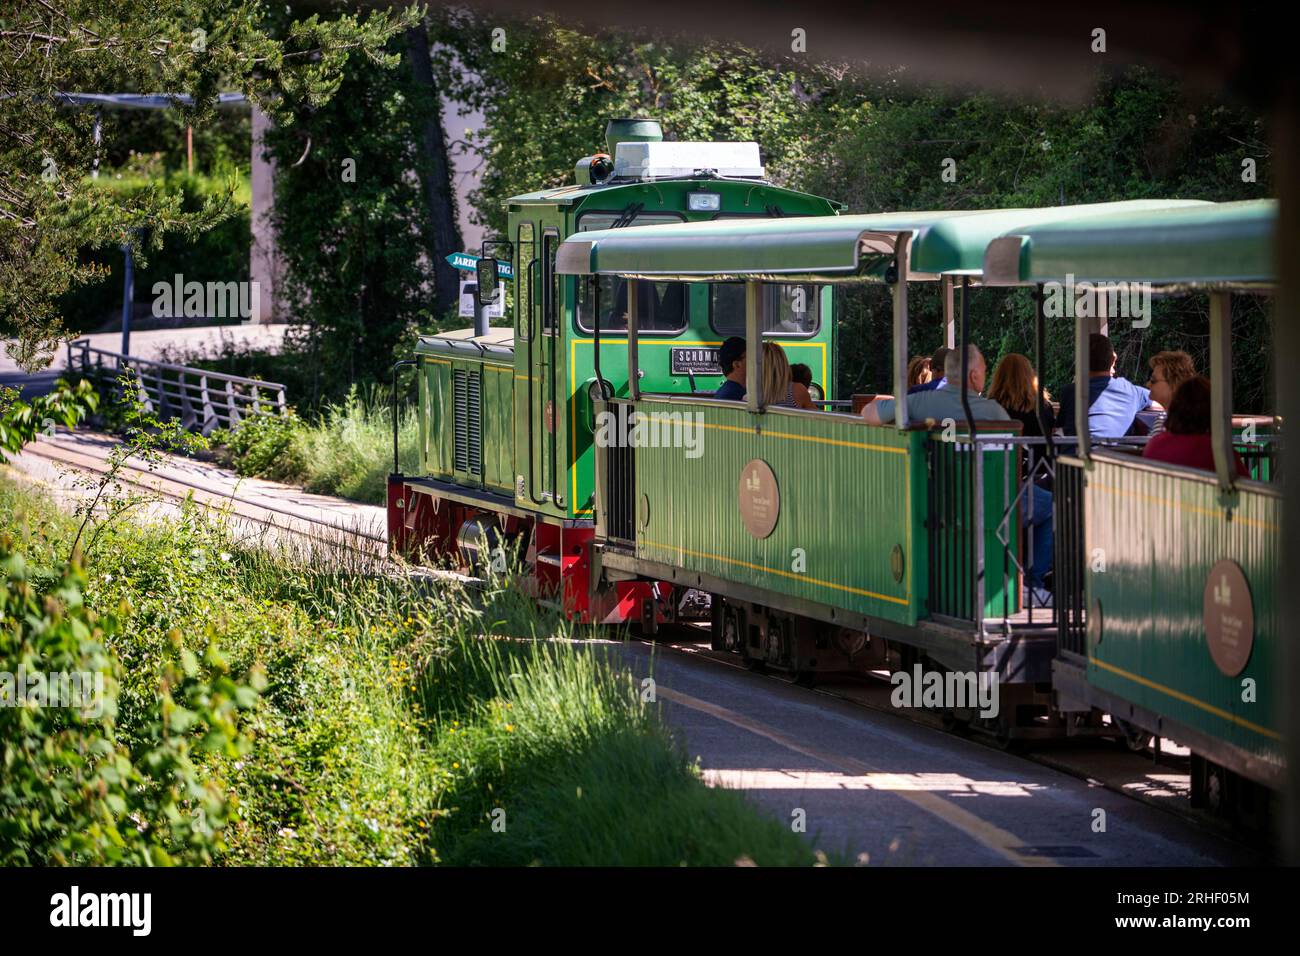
x=704 y=202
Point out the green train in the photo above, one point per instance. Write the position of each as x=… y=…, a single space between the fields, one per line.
x=507 y=415
x=826 y=543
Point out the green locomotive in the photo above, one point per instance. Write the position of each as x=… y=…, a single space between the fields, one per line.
x=507 y=414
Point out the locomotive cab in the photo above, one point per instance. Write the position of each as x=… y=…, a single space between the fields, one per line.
x=508 y=418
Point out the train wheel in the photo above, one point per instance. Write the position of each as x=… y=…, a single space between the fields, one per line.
x=731 y=632
x=954 y=724
x=1135 y=738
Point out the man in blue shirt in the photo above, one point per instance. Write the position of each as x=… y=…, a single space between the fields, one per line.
x=1113 y=401
x=732 y=359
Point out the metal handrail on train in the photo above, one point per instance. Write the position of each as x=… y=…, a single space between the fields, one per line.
x=957 y=512
x=199 y=398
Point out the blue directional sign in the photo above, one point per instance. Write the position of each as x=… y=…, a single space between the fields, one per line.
x=469 y=263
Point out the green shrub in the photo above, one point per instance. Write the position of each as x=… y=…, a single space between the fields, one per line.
x=347 y=451
x=266 y=446
x=65 y=404
x=74 y=790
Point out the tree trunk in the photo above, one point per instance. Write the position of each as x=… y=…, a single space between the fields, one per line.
x=442 y=237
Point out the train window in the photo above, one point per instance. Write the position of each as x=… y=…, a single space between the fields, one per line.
x=792 y=309
x=550 y=282
x=661 y=305
x=526 y=255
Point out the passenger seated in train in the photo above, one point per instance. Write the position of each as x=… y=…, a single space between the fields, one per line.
x=918 y=372
x=1113 y=401
x=1185 y=439
x=937 y=361
x=802 y=375
x=779 y=387
x=1168 y=371
x=1015 y=388
x=944 y=401
x=732 y=359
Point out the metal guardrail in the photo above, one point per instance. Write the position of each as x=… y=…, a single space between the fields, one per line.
x=201 y=399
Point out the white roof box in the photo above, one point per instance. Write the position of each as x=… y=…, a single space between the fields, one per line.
x=633 y=160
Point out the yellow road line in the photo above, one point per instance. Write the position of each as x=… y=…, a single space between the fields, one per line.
x=1186 y=699
x=988 y=835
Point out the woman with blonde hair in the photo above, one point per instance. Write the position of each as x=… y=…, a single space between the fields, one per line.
x=1015 y=388
x=919 y=371
x=1169 y=369
x=779 y=387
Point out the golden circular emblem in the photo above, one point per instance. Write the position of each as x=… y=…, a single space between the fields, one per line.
x=1229 y=616
x=759 y=498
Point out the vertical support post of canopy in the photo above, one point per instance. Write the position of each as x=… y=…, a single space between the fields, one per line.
x=1039 y=364
x=633 y=321
x=949 y=317
x=1221 y=388
x=753 y=344
x=902 y=246
x=1082 y=330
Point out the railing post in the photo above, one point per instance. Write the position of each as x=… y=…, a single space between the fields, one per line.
x=209 y=414
x=279 y=402
x=232 y=409
x=163 y=403
x=142 y=391
x=187 y=407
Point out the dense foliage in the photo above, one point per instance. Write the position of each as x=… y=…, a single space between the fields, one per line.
x=1141 y=136
x=114 y=779
x=47 y=150
x=21 y=421
x=393 y=722
x=348 y=219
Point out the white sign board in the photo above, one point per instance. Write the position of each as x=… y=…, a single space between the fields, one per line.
x=468 y=290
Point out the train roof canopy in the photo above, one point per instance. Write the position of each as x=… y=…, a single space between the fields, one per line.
x=828 y=249
x=1214 y=243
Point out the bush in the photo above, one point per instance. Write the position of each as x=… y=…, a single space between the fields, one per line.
x=347 y=451
x=76 y=789
x=218 y=255
x=394 y=718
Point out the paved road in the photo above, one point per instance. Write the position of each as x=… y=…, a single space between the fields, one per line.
x=153 y=344
x=865 y=783
x=903 y=793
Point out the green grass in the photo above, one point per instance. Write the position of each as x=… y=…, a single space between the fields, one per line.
x=403 y=722
x=346 y=451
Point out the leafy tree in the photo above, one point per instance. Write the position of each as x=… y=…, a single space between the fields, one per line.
x=883 y=146
x=47 y=208
x=350 y=220
x=546 y=96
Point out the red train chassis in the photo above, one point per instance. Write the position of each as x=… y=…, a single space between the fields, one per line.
x=557 y=556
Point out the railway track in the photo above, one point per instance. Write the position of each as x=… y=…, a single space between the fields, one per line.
x=172 y=484
x=357 y=529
